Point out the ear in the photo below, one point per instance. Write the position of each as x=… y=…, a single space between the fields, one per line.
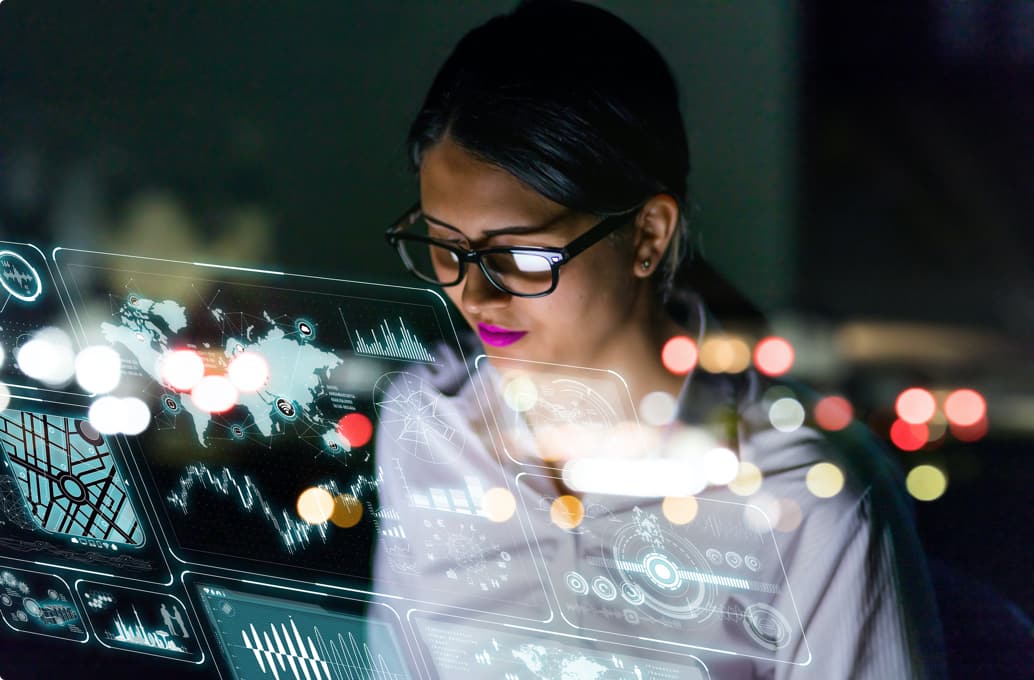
x=655 y=226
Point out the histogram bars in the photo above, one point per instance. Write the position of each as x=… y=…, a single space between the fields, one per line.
x=406 y=346
x=466 y=501
x=309 y=660
x=139 y=635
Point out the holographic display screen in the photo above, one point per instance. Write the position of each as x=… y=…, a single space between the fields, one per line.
x=267 y=637
x=228 y=478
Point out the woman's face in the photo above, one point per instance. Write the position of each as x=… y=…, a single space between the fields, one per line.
x=597 y=294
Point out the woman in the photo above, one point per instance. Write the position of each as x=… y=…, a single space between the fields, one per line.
x=553 y=171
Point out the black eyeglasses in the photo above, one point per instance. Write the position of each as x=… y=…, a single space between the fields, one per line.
x=521 y=271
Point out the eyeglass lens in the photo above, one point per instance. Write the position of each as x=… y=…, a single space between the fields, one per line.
x=519 y=272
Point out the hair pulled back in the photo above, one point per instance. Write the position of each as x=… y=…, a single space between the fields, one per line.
x=570 y=100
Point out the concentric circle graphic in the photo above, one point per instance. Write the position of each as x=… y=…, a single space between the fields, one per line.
x=671 y=574
x=766 y=626
x=576 y=583
x=604 y=588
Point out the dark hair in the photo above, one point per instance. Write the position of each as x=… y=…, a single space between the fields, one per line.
x=570 y=100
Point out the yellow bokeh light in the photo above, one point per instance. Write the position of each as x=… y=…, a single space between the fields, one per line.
x=725 y=354
x=926 y=483
x=520 y=393
x=824 y=480
x=315 y=505
x=680 y=509
x=748 y=480
x=348 y=510
x=567 y=512
x=498 y=504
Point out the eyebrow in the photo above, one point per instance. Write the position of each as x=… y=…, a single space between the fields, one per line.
x=516 y=229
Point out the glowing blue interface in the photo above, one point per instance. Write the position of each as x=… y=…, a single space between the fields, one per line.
x=267 y=637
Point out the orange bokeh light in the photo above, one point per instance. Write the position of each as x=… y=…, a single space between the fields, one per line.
x=909 y=436
x=915 y=405
x=965 y=408
x=679 y=355
x=773 y=356
x=833 y=413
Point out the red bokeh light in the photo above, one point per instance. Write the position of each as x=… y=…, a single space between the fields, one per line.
x=965 y=408
x=356 y=429
x=909 y=436
x=679 y=355
x=773 y=356
x=915 y=405
x=970 y=433
x=833 y=413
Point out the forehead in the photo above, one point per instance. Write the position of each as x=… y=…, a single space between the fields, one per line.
x=458 y=188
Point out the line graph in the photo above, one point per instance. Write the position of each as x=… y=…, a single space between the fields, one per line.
x=295 y=533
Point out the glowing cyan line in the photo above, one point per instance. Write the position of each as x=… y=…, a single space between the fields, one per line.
x=21 y=277
x=239 y=269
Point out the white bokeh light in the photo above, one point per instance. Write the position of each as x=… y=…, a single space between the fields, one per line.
x=5 y=396
x=182 y=369
x=214 y=394
x=650 y=477
x=136 y=415
x=98 y=369
x=108 y=415
x=48 y=357
x=248 y=372
x=3 y=355
x=721 y=466
x=657 y=408
x=786 y=414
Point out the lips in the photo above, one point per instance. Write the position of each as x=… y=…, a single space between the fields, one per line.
x=498 y=336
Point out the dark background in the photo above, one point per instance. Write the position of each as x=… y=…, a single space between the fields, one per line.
x=863 y=171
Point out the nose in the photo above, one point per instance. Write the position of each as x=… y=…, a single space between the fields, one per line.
x=479 y=294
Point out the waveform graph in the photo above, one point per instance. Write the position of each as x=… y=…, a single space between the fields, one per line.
x=268 y=637
x=140 y=621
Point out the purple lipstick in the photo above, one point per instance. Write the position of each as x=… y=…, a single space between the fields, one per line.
x=498 y=336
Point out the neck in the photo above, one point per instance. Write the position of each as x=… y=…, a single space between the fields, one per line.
x=634 y=352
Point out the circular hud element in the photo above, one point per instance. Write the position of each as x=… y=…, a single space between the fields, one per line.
x=766 y=626
x=667 y=571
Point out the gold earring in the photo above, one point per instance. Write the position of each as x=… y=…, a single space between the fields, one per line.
x=646 y=264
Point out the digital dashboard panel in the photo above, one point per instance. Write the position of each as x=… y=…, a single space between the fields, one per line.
x=273 y=475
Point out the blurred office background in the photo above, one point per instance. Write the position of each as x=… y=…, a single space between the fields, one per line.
x=864 y=172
